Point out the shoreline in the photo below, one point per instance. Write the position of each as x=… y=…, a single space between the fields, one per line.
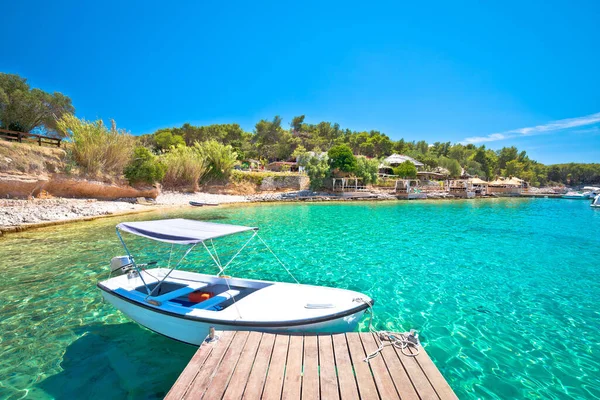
x=167 y=201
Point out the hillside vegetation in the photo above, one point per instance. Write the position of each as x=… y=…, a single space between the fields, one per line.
x=189 y=156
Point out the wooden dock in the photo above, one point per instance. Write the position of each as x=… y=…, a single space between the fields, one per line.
x=254 y=365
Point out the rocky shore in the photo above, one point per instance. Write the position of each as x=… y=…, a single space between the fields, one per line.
x=21 y=212
x=26 y=213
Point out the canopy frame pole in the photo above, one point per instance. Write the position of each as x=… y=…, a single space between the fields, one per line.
x=212 y=243
x=172 y=269
x=217 y=261
x=277 y=258
x=133 y=261
x=213 y=258
x=240 y=250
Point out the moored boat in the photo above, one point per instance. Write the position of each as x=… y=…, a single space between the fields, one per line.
x=588 y=192
x=184 y=305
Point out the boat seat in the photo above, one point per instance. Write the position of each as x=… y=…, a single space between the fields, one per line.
x=180 y=292
x=218 y=299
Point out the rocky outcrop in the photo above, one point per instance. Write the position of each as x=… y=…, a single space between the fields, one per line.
x=24 y=186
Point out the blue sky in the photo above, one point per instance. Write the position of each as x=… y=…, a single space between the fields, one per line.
x=481 y=72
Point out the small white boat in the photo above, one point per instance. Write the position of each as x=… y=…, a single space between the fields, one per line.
x=588 y=192
x=184 y=305
x=202 y=203
x=596 y=202
x=576 y=195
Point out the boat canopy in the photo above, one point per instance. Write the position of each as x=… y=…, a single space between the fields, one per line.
x=181 y=231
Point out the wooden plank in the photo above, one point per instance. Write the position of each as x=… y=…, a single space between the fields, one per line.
x=274 y=382
x=310 y=376
x=207 y=372
x=220 y=380
x=364 y=376
x=292 y=384
x=401 y=379
x=256 y=380
x=244 y=366
x=191 y=370
x=327 y=376
x=416 y=375
x=255 y=365
x=435 y=377
x=347 y=382
x=383 y=380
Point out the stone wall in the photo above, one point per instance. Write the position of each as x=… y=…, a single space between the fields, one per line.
x=295 y=182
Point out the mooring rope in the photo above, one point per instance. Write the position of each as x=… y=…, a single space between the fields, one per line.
x=400 y=342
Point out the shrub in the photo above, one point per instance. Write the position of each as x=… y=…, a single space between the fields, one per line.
x=452 y=166
x=342 y=158
x=367 y=169
x=165 y=139
x=95 y=148
x=254 y=178
x=406 y=170
x=317 y=169
x=220 y=160
x=144 y=167
x=185 y=166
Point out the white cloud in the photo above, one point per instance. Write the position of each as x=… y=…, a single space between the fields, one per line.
x=536 y=130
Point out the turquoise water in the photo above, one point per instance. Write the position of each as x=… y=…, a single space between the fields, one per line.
x=505 y=293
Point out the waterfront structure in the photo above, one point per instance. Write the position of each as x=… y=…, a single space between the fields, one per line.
x=480 y=187
x=386 y=167
x=461 y=188
x=512 y=186
x=408 y=189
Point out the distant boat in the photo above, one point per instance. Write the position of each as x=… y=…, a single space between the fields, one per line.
x=596 y=202
x=202 y=203
x=184 y=305
x=589 y=192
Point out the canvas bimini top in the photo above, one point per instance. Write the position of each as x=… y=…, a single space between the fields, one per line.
x=181 y=231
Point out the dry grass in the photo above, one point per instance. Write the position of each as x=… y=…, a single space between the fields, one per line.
x=97 y=149
x=185 y=167
x=31 y=159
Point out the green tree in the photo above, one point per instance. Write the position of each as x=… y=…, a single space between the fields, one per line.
x=297 y=123
x=164 y=139
x=513 y=168
x=406 y=170
x=317 y=169
x=267 y=135
x=367 y=169
x=452 y=166
x=341 y=158
x=486 y=161
x=24 y=109
x=144 y=167
x=505 y=155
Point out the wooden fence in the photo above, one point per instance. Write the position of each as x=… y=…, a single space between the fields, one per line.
x=15 y=136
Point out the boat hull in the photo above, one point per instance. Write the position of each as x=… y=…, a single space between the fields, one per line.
x=194 y=331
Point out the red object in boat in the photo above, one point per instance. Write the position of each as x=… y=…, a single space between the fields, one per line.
x=198 y=297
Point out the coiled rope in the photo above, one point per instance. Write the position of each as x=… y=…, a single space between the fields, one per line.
x=401 y=342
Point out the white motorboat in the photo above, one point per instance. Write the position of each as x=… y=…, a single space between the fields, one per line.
x=184 y=305
x=588 y=192
x=596 y=202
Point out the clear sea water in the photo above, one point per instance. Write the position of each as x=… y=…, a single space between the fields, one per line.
x=505 y=293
